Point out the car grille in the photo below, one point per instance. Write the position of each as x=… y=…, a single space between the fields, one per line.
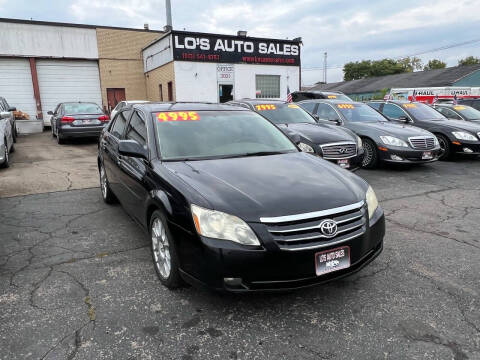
x=422 y=142
x=301 y=232
x=337 y=151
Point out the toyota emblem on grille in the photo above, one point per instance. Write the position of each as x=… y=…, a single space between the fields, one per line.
x=342 y=150
x=328 y=228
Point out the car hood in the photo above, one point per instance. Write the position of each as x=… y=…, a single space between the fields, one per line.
x=461 y=124
x=268 y=186
x=380 y=128
x=317 y=133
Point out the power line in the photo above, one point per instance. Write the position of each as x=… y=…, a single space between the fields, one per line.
x=446 y=47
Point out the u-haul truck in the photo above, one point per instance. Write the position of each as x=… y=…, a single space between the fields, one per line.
x=426 y=95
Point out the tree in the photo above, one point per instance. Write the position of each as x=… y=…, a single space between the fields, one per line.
x=470 y=60
x=434 y=64
x=368 y=68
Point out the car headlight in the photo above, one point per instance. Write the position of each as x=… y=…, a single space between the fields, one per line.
x=390 y=140
x=359 y=142
x=305 y=148
x=372 y=202
x=218 y=225
x=462 y=135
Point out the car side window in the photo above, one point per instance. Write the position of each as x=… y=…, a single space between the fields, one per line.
x=119 y=124
x=137 y=129
x=392 y=111
x=56 y=111
x=326 y=112
x=375 y=105
x=308 y=106
x=449 y=113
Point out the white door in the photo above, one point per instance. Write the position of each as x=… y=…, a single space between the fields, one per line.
x=67 y=80
x=16 y=85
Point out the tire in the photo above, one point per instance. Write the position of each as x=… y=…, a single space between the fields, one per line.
x=6 y=162
x=370 y=157
x=12 y=149
x=60 y=140
x=445 y=152
x=107 y=194
x=14 y=132
x=53 y=132
x=164 y=254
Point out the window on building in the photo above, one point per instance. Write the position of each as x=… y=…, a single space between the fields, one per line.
x=160 y=88
x=267 y=86
x=170 y=91
x=137 y=130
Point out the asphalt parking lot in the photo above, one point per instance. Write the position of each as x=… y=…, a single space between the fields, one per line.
x=77 y=280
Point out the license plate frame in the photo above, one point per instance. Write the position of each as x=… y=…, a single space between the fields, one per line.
x=331 y=260
x=87 y=121
x=344 y=163
x=427 y=155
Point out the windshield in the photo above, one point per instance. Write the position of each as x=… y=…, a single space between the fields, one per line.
x=359 y=113
x=284 y=113
x=82 y=108
x=468 y=112
x=422 y=112
x=196 y=135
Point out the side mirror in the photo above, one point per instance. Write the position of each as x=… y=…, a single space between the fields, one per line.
x=316 y=117
x=404 y=119
x=12 y=108
x=49 y=113
x=336 y=121
x=4 y=115
x=132 y=148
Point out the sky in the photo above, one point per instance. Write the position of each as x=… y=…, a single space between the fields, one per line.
x=346 y=30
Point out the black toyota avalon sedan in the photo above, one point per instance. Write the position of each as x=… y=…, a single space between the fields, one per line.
x=383 y=140
x=231 y=203
x=455 y=136
x=77 y=119
x=320 y=138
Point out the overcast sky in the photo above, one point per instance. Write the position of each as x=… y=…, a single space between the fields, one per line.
x=347 y=30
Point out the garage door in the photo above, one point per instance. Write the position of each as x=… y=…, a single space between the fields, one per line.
x=16 y=85
x=67 y=80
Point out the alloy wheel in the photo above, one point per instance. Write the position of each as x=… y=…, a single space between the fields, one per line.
x=6 y=152
x=367 y=157
x=443 y=146
x=161 y=248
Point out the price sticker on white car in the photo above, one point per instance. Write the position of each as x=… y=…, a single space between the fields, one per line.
x=332 y=260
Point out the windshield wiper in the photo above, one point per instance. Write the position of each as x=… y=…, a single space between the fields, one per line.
x=262 y=153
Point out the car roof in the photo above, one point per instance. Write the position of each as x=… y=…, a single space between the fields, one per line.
x=320 y=92
x=259 y=101
x=188 y=106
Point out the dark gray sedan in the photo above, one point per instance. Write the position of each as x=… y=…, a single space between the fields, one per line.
x=77 y=119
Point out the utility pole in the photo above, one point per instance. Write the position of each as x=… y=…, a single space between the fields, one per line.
x=325 y=67
x=168 y=9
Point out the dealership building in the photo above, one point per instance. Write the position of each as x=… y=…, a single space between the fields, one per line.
x=45 y=63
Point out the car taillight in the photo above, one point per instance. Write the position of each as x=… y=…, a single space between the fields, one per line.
x=104 y=118
x=67 y=119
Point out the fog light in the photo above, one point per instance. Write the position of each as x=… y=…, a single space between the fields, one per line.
x=232 y=281
x=467 y=150
x=396 y=157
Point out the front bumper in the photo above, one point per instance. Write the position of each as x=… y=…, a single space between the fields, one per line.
x=472 y=146
x=402 y=155
x=67 y=131
x=269 y=268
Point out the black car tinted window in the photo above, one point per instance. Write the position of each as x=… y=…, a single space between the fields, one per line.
x=393 y=111
x=467 y=112
x=212 y=134
x=449 y=113
x=422 y=112
x=119 y=124
x=308 y=106
x=375 y=105
x=357 y=112
x=137 y=130
x=326 y=112
x=281 y=113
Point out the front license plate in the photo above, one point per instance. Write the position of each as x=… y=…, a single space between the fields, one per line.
x=332 y=260
x=427 y=155
x=343 y=163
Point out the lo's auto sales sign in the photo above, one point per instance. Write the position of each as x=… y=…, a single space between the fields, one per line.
x=234 y=49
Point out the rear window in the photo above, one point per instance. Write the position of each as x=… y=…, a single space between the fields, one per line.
x=82 y=108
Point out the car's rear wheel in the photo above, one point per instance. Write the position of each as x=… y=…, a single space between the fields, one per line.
x=164 y=253
x=107 y=193
x=60 y=139
x=6 y=162
x=370 y=157
x=445 y=150
x=14 y=133
x=53 y=132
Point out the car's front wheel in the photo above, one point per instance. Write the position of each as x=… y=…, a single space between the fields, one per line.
x=444 y=147
x=163 y=251
x=6 y=162
x=370 y=155
x=107 y=193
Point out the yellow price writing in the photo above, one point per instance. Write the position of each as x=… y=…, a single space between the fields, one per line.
x=178 y=116
x=346 y=106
